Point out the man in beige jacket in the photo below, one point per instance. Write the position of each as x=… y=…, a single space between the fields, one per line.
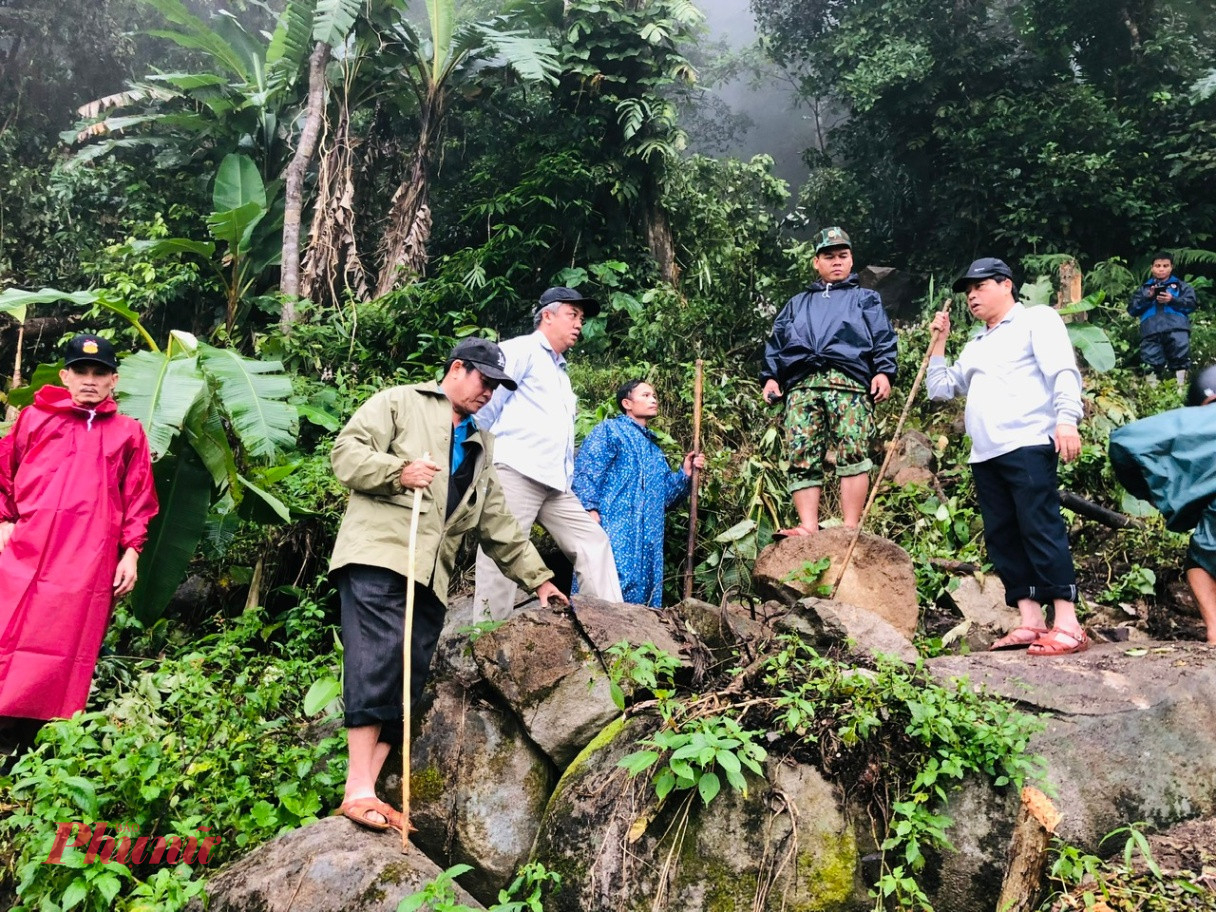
x=406 y=439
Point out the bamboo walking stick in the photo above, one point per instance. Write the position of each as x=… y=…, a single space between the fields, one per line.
x=696 y=477
x=899 y=426
x=406 y=660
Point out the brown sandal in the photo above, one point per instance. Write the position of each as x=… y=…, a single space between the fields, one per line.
x=1017 y=638
x=1057 y=642
x=358 y=809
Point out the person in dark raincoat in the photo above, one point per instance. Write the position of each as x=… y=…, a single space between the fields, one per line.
x=76 y=496
x=623 y=480
x=1170 y=460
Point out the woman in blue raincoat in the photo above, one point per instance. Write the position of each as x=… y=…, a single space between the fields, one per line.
x=623 y=480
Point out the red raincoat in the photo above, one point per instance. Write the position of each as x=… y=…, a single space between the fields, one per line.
x=78 y=485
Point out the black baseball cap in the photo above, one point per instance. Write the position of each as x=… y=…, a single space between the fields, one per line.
x=983 y=268
x=566 y=295
x=87 y=347
x=486 y=356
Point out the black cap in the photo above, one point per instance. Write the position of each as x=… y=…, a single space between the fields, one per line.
x=565 y=295
x=983 y=268
x=87 y=347
x=486 y=357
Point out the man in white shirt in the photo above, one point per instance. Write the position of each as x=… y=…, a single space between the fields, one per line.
x=1023 y=391
x=533 y=428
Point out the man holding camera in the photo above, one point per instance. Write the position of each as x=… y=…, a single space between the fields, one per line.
x=1164 y=304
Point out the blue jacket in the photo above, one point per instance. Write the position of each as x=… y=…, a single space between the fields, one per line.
x=1157 y=318
x=621 y=472
x=842 y=326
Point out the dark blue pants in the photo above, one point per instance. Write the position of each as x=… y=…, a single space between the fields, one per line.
x=1164 y=351
x=1020 y=501
x=373 y=618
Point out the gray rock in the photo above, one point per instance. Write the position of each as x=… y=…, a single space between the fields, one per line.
x=1129 y=738
x=879 y=578
x=478 y=787
x=824 y=622
x=328 y=866
x=980 y=599
x=913 y=460
x=551 y=670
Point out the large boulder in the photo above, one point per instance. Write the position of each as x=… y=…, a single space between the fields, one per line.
x=879 y=578
x=478 y=787
x=785 y=845
x=1130 y=736
x=549 y=667
x=328 y=866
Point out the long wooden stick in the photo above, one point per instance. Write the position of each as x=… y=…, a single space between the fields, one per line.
x=406 y=661
x=696 y=478
x=899 y=426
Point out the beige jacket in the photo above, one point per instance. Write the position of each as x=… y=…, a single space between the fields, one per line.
x=395 y=427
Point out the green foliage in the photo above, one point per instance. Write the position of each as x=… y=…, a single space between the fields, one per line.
x=926 y=737
x=991 y=127
x=810 y=574
x=213 y=737
x=1083 y=880
x=439 y=895
x=645 y=666
x=1135 y=583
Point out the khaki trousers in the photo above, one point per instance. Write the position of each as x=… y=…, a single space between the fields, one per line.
x=580 y=537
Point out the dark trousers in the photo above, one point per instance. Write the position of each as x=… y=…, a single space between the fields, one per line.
x=373 y=618
x=1020 y=501
x=1164 y=351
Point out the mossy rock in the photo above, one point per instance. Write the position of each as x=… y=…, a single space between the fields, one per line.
x=786 y=841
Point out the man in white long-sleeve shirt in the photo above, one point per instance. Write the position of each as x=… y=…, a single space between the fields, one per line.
x=1023 y=391
x=533 y=428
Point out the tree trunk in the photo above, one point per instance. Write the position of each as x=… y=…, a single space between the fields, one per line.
x=333 y=250
x=662 y=244
x=403 y=246
x=294 y=183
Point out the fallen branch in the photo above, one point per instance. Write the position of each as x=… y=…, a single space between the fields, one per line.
x=1037 y=820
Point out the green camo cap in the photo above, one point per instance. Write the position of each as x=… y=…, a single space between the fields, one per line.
x=832 y=237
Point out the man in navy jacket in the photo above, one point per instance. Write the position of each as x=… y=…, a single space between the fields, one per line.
x=1164 y=304
x=831 y=355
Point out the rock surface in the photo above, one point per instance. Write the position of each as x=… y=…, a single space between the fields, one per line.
x=478 y=787
x=551 y=671
x=785 y=846
x=823 y=622
x=1131 y=737
x=328 y=866
x=879 y=578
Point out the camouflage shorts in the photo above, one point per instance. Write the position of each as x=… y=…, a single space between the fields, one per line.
x=819 y=419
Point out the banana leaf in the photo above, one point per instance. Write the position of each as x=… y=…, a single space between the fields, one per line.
x=15 y=301
x=159 y=389
x=183 y=486
x=43 y=374
x=253 y=394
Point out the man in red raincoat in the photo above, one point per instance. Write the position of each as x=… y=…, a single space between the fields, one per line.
x=76 y=495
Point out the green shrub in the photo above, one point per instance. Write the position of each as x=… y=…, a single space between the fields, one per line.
x=214 y=737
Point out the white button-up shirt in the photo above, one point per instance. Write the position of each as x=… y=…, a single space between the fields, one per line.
x=533 y=426
x=1020 y=378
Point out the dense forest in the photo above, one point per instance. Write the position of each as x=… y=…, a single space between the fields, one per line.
x=277 y=208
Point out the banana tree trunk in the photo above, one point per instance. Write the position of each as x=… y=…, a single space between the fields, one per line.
x=294 y=182
x=403 y=246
